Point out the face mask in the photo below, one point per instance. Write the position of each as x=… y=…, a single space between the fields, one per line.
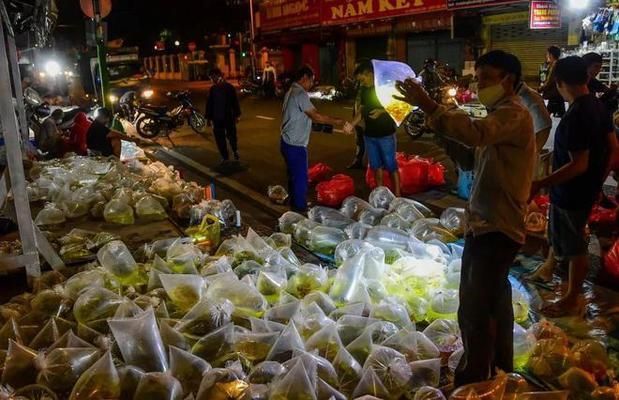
x=491 y=95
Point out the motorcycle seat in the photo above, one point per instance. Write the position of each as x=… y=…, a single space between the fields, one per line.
x=154 y=109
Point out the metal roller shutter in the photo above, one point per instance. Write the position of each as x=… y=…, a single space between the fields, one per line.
x=529 y=45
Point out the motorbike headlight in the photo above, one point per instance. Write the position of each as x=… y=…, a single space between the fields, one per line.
x=147 y=94
x=452 y=92
x=113 y=99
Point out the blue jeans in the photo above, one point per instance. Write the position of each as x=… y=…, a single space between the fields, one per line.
x=381 y=152
x=296 y=163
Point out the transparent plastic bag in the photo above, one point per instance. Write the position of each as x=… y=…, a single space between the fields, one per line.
x=328 y=392
x=381 y=197
x=444 y=305
x=310 y=277
x=545 y=329
x=283 y=312
x=19 y=366
x=372 y=216
x=324 y=369
x=158 y=386
x=248 y=302
x=386 y=74
x=520 y=305
x=184 y=290
x=426 y=350
x=321 y=299
x=266 y=372
x=271 y=283
x=94 y=306
x=223 y=384
x=326 y=341
x=310 y=318
x=395 y=221
x=361 y=347
x=347 y=279
x=61 y=368
x=116 y=258
x=83 y=280
x=352 y=206
x=429 y=393
x=524 y=342
x=187 y=369
x=288 y=221
x=288 y=341
x=206 y=316
x=391 y=311
x=348 y=370
x=183 y=256
x=280 y=240
x=349 y=248
x=277 y=194
x=388 y=238
x=50 y=215
x=391 y=368
x=425 y=373
x=427 y=229
x=452 y=219
x=329 y=217
x=254 y=346
x=99 y=382
x=445 y=334
x=139 y=341
x=118 y=212
x=215 y=344
x=294 y=385
x=578 y=381
x=371 y=385
x=181 y=205
x=149 y=209
x=130 y=377
x=302 y=231
x=357 y=230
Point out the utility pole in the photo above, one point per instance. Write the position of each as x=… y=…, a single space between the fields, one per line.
x=252 y=32
x=101 y=54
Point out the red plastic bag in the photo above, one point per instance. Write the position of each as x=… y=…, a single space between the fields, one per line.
x=416 y=175
x=542 y=202
x=319 y=172
x=436 y=174
x=603 y=216
x=611 y=260
x=332 y=193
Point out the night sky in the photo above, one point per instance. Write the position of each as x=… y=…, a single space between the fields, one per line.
x=140 y=21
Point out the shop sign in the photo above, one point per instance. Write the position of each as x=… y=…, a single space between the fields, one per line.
x=279 y=14
x=336 y=12
x=477 y=3
x=545 y=15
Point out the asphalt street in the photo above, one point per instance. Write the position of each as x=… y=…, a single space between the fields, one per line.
x=259 y=136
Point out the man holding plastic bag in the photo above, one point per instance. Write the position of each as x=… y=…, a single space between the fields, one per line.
x=380 y=129
x=495 y=231
x=297 y=116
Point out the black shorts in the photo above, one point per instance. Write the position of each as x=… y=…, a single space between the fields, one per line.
x=566 y=231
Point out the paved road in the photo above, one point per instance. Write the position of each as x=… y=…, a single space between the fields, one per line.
x=258 y=133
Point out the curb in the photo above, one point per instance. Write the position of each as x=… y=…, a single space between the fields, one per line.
x=226 y=182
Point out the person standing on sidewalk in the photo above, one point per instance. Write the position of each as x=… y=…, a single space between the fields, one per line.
x=495 y=230
x=556 y=105
x=298 y=113
x=380 y=130
x=223 y=111
x=583 y=146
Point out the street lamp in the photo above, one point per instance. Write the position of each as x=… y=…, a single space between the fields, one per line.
x=177 y=43
x=253 y=37
x=578 y=4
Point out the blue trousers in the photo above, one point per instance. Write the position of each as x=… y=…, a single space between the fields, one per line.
x=296 y=163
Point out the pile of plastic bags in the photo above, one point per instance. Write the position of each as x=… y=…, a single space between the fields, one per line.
x=253 y=322
x=97 y=188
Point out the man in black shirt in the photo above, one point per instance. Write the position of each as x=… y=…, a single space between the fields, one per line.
x=608 y=95
x=582 y=149
x=223 y=111
x=380 y=129
x=102 y=140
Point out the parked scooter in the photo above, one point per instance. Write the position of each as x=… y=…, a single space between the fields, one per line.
x=156 y=120
x=38 y=110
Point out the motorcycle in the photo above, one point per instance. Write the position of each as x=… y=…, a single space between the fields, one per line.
x=154 y=120
x=38 y=110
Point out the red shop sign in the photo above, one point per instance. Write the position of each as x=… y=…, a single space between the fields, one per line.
x=279 y=14
x=545 y=15
x=350 y=11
